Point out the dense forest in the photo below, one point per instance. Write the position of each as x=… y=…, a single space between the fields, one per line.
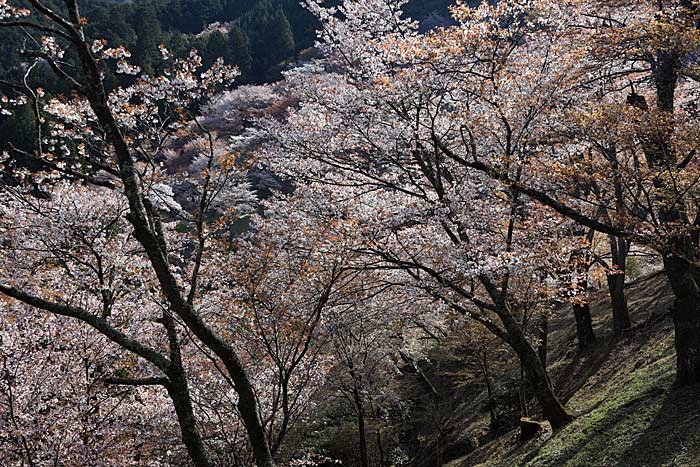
x=370 y=233
x=274 y=32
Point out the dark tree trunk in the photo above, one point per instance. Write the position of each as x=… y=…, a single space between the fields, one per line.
x=361 y=429
x=618 y=301
x=579 y=263
x=686 y=320
x=179 y=393
x=658 y=149
x=584 y=322
x=616 y=285
x=686 y=309
x=539 y=383
x=148 y=233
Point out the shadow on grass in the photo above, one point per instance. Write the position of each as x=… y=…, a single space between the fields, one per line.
x=607 y=433
x=672 y=437
x=575 y=375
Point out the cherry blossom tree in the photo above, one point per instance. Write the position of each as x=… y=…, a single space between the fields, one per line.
x=285 y=282
x=370 y=144
x=67 y=265
x=468 y=169
x=512 y=93
x=114 y=140
x=57 y=408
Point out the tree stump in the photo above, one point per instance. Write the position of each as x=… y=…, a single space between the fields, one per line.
x=529 y=429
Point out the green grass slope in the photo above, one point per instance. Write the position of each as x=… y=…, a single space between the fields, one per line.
x=627 y=411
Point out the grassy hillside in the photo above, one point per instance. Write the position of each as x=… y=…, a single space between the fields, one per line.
x=627 y=413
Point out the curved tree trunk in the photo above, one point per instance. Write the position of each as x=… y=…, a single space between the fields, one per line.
x=147 y=231
x=552 y=410
x=179 y=392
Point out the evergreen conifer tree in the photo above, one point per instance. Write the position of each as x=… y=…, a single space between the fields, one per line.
x=238 y=51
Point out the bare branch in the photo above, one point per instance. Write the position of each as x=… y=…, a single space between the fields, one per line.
x=151 y=381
